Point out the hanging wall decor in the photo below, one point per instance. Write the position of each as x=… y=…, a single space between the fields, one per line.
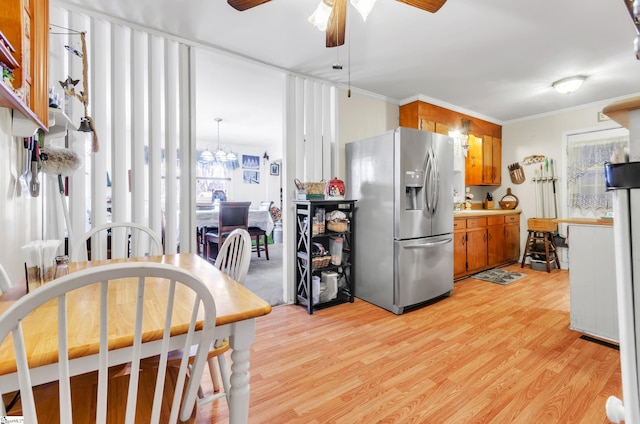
x=86 y=123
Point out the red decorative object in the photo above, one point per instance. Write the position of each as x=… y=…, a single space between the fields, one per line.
x=335 y=188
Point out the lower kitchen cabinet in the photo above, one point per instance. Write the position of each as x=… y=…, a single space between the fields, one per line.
x=477 y=248
x=485 y=242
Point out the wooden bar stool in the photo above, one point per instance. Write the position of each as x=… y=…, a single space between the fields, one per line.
x=262 y=241
x=541 y=243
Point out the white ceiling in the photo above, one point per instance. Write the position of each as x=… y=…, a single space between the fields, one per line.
x=494 y=58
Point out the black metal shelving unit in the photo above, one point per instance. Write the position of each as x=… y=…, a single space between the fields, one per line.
x=305 y=210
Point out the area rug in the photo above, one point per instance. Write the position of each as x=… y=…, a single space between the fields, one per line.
x=498 y=276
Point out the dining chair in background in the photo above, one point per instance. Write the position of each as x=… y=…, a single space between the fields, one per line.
x=139 y=392
x=232 y=215
x=259 y=235
x=117 y=240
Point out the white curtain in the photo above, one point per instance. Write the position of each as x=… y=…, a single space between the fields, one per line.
x=585 y=173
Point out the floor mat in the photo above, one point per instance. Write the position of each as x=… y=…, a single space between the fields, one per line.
x=498 y=276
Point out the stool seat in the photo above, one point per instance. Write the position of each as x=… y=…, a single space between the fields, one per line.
x=541 y=244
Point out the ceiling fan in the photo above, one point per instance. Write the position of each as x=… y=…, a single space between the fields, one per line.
x=335 y=26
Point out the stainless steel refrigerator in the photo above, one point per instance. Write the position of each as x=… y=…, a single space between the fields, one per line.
x=403 y=182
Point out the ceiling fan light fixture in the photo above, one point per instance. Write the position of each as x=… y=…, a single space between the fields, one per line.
x=364 y=7
x=569 y=84
x=320 y=16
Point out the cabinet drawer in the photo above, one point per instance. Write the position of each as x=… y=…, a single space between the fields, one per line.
x=495 y=220
x=511 y=219
x=459 y=224
x=476 y=222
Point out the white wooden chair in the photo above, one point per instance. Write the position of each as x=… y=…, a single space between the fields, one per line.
x=233 y=259
x=117 y=240
x=5 y=282
x=234 y=256
x=105 y=275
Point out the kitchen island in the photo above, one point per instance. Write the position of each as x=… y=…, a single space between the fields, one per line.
x=592 y=277
x=483 y=239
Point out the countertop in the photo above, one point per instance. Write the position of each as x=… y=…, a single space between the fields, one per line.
x=586 y=221
x=470 y=213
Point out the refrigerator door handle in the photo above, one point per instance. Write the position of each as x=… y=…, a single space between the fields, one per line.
x=435 y=181
x=430 y=244
x=427 y=183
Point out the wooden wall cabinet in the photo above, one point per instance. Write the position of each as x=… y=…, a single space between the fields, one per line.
x=484 y=161
x=484 y=158
x=25 y=26
x=485 y=242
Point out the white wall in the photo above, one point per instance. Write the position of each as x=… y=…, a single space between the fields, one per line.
x=544 y=135
x=360 y=116
x=269 y=187
x=20 y=218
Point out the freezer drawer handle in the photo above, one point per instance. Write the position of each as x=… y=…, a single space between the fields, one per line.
x=435 y=243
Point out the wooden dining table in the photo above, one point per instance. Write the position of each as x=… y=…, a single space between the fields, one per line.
x=237 y=309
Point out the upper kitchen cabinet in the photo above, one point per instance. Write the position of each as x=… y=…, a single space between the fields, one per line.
x=484 y=161
x=24 y=47
x=484 y=158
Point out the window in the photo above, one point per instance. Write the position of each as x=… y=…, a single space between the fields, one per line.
x=585 y=174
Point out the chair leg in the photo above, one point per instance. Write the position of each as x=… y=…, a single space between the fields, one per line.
x=213 y=371
x=266 y=246
x=258 y=245
x=224 y=374
x=526 y=249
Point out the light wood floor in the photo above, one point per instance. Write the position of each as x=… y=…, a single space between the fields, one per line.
x=488 y=354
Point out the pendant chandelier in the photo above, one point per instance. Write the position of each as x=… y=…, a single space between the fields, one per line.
x=221 y=155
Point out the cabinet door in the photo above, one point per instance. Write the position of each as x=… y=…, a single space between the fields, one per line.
x=512 y=242
x=473 y=164
x=491 y=160
x=476 y=249
x=459 y=254
x=495 y=244
x=496 y=160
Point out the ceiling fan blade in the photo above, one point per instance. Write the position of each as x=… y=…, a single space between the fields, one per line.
x=429 y=5
x=245 y=4
x=336 y=24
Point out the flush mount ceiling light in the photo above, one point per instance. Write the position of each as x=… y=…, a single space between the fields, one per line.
x=569 y=84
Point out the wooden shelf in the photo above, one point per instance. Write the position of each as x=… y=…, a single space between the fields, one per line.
x=8 y=98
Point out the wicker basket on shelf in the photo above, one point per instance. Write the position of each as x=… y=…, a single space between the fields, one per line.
x=315 y=188
x=320 y=261
x=542 y=224
x=338 y=226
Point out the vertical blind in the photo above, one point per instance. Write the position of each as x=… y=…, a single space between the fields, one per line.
x=140 y=101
